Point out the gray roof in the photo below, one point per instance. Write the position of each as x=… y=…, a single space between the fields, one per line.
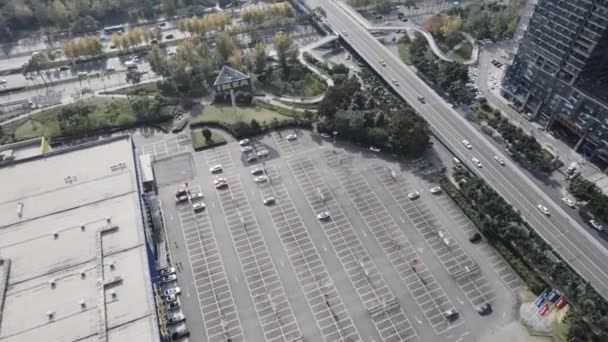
x=227 y=75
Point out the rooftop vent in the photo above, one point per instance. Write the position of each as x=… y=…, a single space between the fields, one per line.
x=56 y=235
x=52 y=283
x=113 y=294
x=50 y=315
x=83 y=275
x=82 y=228
x=112 y=265
x=83 y=304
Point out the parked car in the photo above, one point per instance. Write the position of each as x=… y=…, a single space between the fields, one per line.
x=269 y=200
x=181 y=198
x=180 y=334
x=251 y=158
x=262 y=153
x=413 y=195
x=451 y=314
x=291 y=137
x=173 y=305
x=196 y=195
x=245 y=149
x=64 y=68
x=169 y=36
x=325 y=136
x=166 y=271
x=83 y=74
x=374 y=149
x=216 y=168
x=595 y=224
x=260 y=179
x=475 y=238
x=323 y=216
x=173 y=290
x=168 y=278
x=436 y=190
x=176 y=318
x=198 y=206
x=172 y=298
x=220 y=180
x=244 y=142
x=257 y=171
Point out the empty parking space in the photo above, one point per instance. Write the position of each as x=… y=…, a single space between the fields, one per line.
x=457 y=263
x=332 y=318
x=407 y=263
x=167 y=147
x=219 y=156
x=381 y=305
x=285 y=145
x=267 y=293
x=213 y=292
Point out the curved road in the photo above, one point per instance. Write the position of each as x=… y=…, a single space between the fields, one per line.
x=585 y=254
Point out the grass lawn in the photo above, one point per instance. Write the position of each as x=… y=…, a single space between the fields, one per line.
x=463 y=53
x=225 y=114
x=199 y=142
x=404 y=52
x=106 y=113
x=140 y=89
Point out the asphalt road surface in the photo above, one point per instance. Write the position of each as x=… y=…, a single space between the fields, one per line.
x=583 y=252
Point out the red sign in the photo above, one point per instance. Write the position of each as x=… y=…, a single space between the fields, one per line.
x=561 y=302
x=543 y=311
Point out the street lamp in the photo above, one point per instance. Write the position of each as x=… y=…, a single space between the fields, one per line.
x=334 y=134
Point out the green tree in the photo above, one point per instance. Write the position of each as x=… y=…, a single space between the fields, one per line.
x=158 y=62
x=85 y=24
x=207 y=134
x=409 y=134
x=283 y=44
x=35 y=66
x=74 y=119
x=260 y=58
x=133 y=76
x=224 y=46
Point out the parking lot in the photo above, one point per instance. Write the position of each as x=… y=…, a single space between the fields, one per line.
x=375 y=269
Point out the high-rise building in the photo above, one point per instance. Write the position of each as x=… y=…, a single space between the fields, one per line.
x=559 y=76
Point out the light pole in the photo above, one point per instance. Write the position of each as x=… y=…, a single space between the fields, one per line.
x=334 y=134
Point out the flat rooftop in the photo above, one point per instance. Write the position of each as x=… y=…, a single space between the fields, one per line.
x=73 y=248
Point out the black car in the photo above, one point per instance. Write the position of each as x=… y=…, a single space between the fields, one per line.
x=484 y=309
x=180 y=334
x=173 y=305
x=475 y=238
x=169 y=36
x=64 y=68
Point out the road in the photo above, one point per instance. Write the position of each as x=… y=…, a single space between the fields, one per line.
x=583 y=252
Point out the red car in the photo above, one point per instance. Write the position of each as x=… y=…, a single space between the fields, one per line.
x=251 y=158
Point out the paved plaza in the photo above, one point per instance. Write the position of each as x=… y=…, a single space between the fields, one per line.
x=381 y=267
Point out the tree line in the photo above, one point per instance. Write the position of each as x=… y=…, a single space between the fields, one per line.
x=260 y=13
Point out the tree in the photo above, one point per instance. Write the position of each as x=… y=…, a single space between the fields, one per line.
x=135 y=36
x=207 y=134
x=59 y=13
x=74 y=119
x=157 y=33
x=85 y=24
x=450 y=24
x=157 y=61
x=409 y=134
x=224 y=46
x=255 y=126
x=133 y=76
x=236 y=59
x=35 y=65
x=282 y=44
x=169 y=7
x=260 y=57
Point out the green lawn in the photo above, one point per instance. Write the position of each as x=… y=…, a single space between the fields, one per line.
x=226 y=115
x=404 y=52
x=199 y=142
x=107 y=113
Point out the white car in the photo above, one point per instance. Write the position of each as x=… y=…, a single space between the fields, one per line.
x=262 y=153
x=177 y=318
x=246 y=149
x=543 y=209
x=598 y=226
x=244 y=142
x=257 y=171
x=325 y=136
x=435 y=190
x=260 y=179
x=568 y=202
x=291 y=137
x=110 y=69
x=269 y=200
x=166 y=271
x=374 y=149
x=173 y=290
x=499 y=160
x=82 y=74
x=216 y=168
x=476 y=162
x=168 y=278
x=395 y=82
x=181 y=198
x=198 y=206
x=219 y=180
x=196 y=195
x=323 y=216
x=467 y=144
x=3 y=82
x=413 y=195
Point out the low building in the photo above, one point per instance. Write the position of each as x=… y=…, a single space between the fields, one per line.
x=74 y=259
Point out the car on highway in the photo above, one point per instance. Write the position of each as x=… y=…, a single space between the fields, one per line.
x=2 y=82
x=262 y=153
x=413 y=195
x=269 y=200
x=596 y=225
x=110 y=69
x=196 y=195
x=257 y=171
x=216 y=168
x=436 y=190
x=467 y=144
x=543 y=209
x=457 y=162
x=244 y=142
x=166 y=271
x=291 y=136
x=451 y=314
x=245 y=149
x=64 y=68
x=198 y=206
x=475 y=238
x=382 y=62
x=476 y=162
x=174 y=290
x=172 y=298
x=168 y=278
x=395 y=82
x=484 y=309
x=323 y=216
x=347 y=57
x=568 y=202
x=421 y=99
x=499 y=160
x=176 y=318
x=325 y=135
x=83 y=74
x=251 y=158
x=260 y=179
